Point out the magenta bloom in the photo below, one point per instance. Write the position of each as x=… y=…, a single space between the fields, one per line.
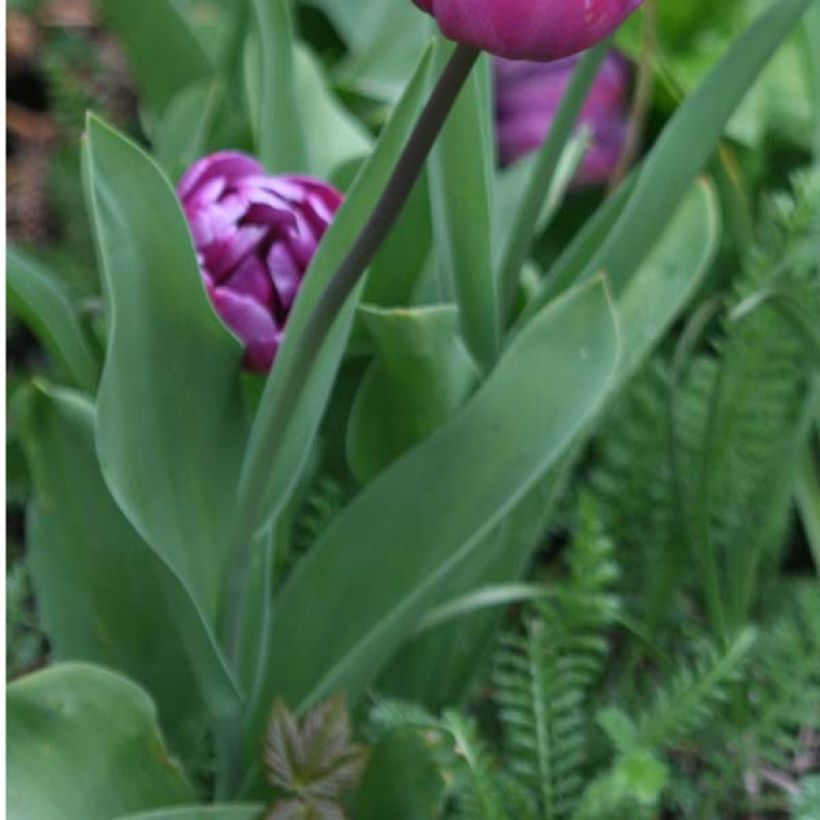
x=528 y=95
x=255 y=235
x=542 y=30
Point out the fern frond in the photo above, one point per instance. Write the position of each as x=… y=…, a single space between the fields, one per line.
x=322 y=504
x=480 y=796
x=632 y=484
x=785 y=686
x=544 y=676
x=693 y=695
x=475 y=785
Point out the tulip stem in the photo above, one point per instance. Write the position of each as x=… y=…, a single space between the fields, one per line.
x=546 y=164
x=384 y=216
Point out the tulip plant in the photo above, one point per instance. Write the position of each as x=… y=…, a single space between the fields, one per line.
x=294 y=301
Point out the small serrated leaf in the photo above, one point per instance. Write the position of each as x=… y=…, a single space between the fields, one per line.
x=315 y=760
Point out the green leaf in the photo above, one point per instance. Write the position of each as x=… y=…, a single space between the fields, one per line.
x=171 y=423
x=84 y=745
x=402 y=781
x=181 y=135
x=275 y=456
x=251 y=811
x=384 y=38
x=807 y=496
x=685 y=145
x=332 y=135
x=102 y=594
x=399 y=263
x=687 y=142
x=421 y=375
x=162 y=49
x=320 y=113
x=655 y=296
x=280 y=137
x=541 y=179
x=670 y=276
x=387 y=557
x=40 y=299
x=461 y=176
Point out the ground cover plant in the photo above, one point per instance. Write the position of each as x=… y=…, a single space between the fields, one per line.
x=413 y=410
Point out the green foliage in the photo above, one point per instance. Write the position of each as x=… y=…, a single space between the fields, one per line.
x=697 y=460
x=314 y=762
x=628 y=682
x=24 y=637
x=72 y=719
x=544 y=677
x=323 y=502
x=475 y=783
x=692 y=695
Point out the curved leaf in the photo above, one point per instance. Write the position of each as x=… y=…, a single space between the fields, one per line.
x=275 y=457
x=250 y=811
x=162 y=49
x=102 y=593
x=84 y=745
x=656 y=294
x=43 y=303
x=390 y=554
x=280 y=136
x=461 y=188
x=421 y=375
x=171 y=423
x=687 y=142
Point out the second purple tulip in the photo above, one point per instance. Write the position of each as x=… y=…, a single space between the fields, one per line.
x=528 y=96
x=255 y=235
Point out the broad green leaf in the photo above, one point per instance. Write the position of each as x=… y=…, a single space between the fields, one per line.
x=275 y=456
x=280 y=136
x=42 y=302
x=171 y=423
x=402 y=781
x=83 y=744
x=162 y=49
x=421 y=375
x=384 y=37
x=461 y=194
x=669 y=278
x=320 y=114
x=181 y=135
x=657 y=293
x=390 y=554
x=687 y=142
x=102 y=594
x=332 y=135
x=252 y=811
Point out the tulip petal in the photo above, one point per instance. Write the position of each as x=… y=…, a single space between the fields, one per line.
x=230 y=165
x=252 y=323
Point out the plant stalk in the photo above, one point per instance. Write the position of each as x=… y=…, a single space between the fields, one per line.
x=384 y=216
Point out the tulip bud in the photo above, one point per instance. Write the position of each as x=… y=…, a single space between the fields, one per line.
x=542 y=30
x=255 y=235
x=528 y=96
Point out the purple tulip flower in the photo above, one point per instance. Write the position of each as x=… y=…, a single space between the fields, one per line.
x=255 y=235
x=527 y=98
x=542 y=30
